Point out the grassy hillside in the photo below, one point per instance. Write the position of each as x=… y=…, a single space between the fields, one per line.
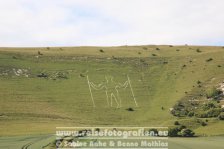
x=42 y=88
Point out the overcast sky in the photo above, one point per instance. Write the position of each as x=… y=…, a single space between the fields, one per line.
x=111 y=22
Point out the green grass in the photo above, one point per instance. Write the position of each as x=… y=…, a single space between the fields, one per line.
x=33 y=105
x=190 y=143
x=30 y=141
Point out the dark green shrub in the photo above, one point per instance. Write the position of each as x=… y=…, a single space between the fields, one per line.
x=176 y=123
x=179 y=113
x=198 y=82
x=130 y=109
x=181 y=127
x=61 y=75
x=101 y=50
x=210 y=59
x=42 y=75
x=201 y=115
x=179 y=110
x=213 y=92
x=81 y=75
x=173 y=132
x=154 y=132
x=191 y=113
x=221 y=116
x=214 y=112
x=203 y=124
x=142 y=60
x=198 y=50
x=208 y=106
x=39 y=53
x=187 y=133
x=97 y=129
x=154 y=54
x=184 y=66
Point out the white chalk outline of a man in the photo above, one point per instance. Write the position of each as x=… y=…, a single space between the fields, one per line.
x=103 y=86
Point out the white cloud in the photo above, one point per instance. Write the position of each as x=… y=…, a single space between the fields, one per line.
x=110 y=22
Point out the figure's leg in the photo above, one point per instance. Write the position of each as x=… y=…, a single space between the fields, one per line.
x=115 y=99
x=129 y=82
x=119 y=98
x=90 y=91
x=107 y=98
x=111 y=100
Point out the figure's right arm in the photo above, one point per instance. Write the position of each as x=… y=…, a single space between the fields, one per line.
x=97 y=87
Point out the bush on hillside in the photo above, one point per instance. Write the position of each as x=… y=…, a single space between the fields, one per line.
x=213 y=92
x=198 y=82
x=42 y=75
x=208 y=106
x=39 y=53
x=153 y=132
x=221 y=116
x=101 y=50
x=179 y=113
x=130 y=109
x=180 y=131
x=203 y=123
x=154 y=54
x=173 y=132
x=191 y=113
x=184 y=66
x=209 y=60
x=198 y=50
x=187 y=133
x=201 y=115
x=176 y=123
x=181 y=127
x=97 y=129
x=180 y=110
x=61 y=75
x=214 y=112
x=81 y=75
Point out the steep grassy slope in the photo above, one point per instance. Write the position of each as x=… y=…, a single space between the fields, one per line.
x=42 y=90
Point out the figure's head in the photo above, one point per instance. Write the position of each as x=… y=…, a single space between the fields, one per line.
x=109 y=79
